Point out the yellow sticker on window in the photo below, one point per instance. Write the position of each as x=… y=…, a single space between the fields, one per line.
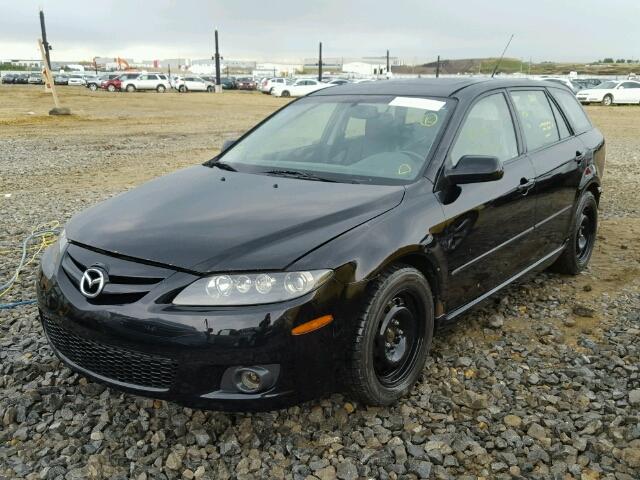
x=429 y=119
x=404 y=169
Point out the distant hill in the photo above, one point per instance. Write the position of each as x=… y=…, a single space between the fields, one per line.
x=514 y=65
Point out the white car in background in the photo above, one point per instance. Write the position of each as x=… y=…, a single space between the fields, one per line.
x=299 y=88
x=267 y=85
x=147 y=81
x=77 y=80
x=192 y=84
x=563 y=81
x=610 y=92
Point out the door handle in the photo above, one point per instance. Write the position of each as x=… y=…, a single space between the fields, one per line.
x=525 y=185
x=579 y=156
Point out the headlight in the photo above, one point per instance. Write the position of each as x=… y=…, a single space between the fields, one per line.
x=251 y=288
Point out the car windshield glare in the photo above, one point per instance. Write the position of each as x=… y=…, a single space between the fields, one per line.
x=364 y=139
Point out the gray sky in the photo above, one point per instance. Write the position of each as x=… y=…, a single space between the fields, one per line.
x=557 y=30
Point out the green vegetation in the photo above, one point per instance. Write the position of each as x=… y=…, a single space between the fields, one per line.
x=17 y=68
x=607 y=66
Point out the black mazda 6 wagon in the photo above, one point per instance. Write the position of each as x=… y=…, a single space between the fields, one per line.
x=319 y=251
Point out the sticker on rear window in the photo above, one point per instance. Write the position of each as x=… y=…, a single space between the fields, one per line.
x=423 y=103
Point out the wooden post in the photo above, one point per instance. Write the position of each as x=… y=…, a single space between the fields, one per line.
x=58 y=110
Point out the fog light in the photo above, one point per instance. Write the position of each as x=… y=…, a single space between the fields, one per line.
x=250 y=380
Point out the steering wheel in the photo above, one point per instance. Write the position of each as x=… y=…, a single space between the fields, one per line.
x=416 y=157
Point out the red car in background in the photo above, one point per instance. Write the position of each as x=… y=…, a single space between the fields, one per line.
x=247 y=83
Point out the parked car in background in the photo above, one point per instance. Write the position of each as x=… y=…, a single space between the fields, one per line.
x=192 y=83
x=76 y=80
x=610 y=92
x=228 y=83
x=584 y=83
x=8 y=78
x=21 y=78
x=111 y=84
x=61 y=79
x=268 y=86
x=563 y=81
x=246 y=83
x=338 y=81
x=147 y=81
x=35 y=79
x=94 y=83
x=299 y=88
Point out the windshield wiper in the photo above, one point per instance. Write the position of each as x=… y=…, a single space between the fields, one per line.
x=222 y=166
x=299 y=174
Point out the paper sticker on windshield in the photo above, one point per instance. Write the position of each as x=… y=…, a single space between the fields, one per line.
x=423 y=103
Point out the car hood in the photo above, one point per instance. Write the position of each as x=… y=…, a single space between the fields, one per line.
x=204 y=219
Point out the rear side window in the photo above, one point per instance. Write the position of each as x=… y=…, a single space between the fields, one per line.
x=576 y=115
x=487 y=130
x=536 y=117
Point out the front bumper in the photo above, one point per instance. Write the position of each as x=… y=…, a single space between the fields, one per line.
x=181 y=354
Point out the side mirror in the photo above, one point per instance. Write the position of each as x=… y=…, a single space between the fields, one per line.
x=475 y=169
x=227 y=144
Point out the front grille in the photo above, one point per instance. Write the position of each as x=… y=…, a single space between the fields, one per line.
x=128 y=281
x=150 y=371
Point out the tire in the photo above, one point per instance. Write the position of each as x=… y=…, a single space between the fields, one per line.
x=182 y=89
x=131 y=88
x=607 y=101
x=111 y=88
x=209 y=89
x=285 y=93
x=392 y=337
x=161 y=89
x=93 y=87
x=576 y=255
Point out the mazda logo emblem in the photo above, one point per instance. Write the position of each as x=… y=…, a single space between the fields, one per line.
x=92 y=282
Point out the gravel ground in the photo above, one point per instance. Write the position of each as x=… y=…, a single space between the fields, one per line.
x=542 y=382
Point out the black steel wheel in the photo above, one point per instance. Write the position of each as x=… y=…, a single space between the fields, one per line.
x=285 y=93
x=579 y=248
x=393 y=337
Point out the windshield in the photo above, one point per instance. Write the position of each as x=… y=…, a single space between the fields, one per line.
x=370 y=139
x=606 y=85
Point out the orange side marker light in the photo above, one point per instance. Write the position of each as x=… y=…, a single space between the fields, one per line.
x=312 y=325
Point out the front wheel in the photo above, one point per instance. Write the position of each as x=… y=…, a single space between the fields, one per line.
x=111 y=88
x=209 y=89
x=160 y=88
x=182 y=89
x=93 y=87
x=285 y=93
x=393 y=337
x=577 y=253
x=130 y=88
x=607 y=100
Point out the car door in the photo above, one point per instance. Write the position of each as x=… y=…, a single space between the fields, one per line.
x=627 y=92
x=557 y=156
x=486 y=236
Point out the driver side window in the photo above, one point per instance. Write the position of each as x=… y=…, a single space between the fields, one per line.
x=487 y=130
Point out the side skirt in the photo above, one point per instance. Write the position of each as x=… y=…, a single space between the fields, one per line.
x=541 y=263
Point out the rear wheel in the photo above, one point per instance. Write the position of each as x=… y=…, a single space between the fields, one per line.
x=130 y=88
x=582 y=239
x=209 y=89
x=93 y=87
x=285 y=93
x=607 y=100
x=161 y=88
x=111 y=88
x=393 y=337
x=182 y=89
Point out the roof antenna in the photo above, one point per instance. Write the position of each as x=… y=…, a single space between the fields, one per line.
x=495 y=69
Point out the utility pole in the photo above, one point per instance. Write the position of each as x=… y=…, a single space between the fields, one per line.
x=438 y=67
x=217 y=58
x=320 y=63
x=45 y=44
x=388 y=67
